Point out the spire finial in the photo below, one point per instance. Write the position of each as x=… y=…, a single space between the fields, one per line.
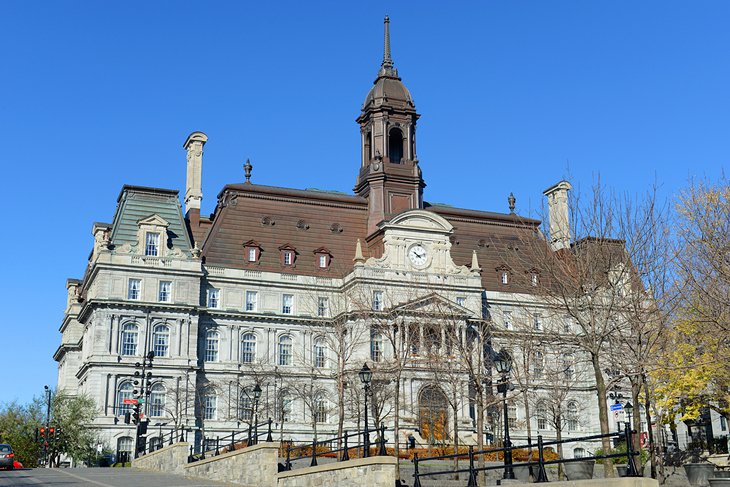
x=511 y=200
x=247 y=169
x=387 y=61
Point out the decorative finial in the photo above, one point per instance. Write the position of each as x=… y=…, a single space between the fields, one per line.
x=359 y=258
x=475 y=263
x=511 y=201
x=387 y=61
x=247 y=167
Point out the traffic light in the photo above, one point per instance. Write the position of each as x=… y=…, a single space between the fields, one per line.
x=58 y=434
x=135 y=414
x=43 y=433
x=127 y=417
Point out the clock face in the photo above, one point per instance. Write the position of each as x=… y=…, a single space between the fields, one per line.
x=417 y=254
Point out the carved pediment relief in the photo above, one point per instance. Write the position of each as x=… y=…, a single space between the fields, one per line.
x=434 y=305
x=153 y=220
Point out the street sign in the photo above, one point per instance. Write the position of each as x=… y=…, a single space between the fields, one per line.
x=129 y=401
x=141 y=400
x=616 y=407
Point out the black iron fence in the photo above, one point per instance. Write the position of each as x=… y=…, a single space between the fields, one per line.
x=154 y=443
x=541 y=476
x=361 y=447
x=222 y=444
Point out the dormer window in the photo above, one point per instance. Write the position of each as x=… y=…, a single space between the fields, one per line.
x=533 y=279
x=152 y=244
x=251 y=251
x=152 y=236
x=288 y=255
x=323 y=258
x=504 y=275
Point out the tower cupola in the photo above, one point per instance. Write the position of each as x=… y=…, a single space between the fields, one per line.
x=389 y=174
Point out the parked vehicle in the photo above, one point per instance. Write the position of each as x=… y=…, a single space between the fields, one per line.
x=7 y=457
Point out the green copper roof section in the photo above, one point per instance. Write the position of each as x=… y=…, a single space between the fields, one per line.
x=136 y=203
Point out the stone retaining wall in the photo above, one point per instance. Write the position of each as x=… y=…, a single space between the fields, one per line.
x=170 y=459
x=255 y=465
x=371 y=472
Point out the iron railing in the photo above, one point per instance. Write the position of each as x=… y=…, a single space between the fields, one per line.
x=345 y=449
x=627 y=435
x=250 y=436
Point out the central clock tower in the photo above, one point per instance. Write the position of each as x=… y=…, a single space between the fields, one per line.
x=389 y=175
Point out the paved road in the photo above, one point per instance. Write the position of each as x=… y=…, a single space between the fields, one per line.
x=97 y=477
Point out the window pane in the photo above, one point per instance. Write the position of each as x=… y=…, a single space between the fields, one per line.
x=376 y=347
x=211 y=346
x=133 y=289
x=157 y=400
x=165 y=293
x=252 y=254
x=285 y=350
x=248 y=348
x=287 y=304
x=377 y=300
x=251 y=300
x=322 y=307
x=152 y=244
x=320 y=354
x=213 y=295
x=209 y=406
x=124 y=392
x=129 y=339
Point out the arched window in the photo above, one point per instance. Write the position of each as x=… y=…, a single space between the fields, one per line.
x=283 y=406
x=155 y=443
x=161 y=340
x=319 y=353
x=395 y=146
x=512 y=414
x=433 y=414
x=579 y=452
x=248 y=348
x=130 y=337
x=157 y=400
x=212 y=340
x=320 y=409
x=210 y=404
x=125 y=391
x=572 y=416
x=568 y=368
x=285 y=350
x=538 y=365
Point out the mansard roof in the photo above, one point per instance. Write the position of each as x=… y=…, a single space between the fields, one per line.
x=137 y=203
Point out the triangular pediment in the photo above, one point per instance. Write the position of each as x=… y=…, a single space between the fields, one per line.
x=155 y=220
x=433 y=305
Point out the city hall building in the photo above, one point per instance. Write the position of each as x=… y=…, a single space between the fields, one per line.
x=294 y=290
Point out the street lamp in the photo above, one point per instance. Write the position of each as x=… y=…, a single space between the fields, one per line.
x=366 y=375
x=629 y=409
x=256 y=397
x=503 y=364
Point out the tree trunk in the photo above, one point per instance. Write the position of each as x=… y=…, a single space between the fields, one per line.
x=480 y=430
x=652 y=446
x=636 y=421
x=396 y=423
x=559 y=437
x=602 y=414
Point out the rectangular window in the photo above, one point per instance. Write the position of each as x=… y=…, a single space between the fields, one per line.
x=213 y=298
x=134 y=289
x=252 y=298
x=323 y=306
x=377 y=300
x=505 y=278
x=537 y=322
x=211 y=347
x=320 y=355
x=246 y=408
x=252 y=254
x=287 y=258
x=165 y=294
x=152 y=244
x=322 y=261
x=512 y=415
x=287 y=304
x=376 y=347
x=320 y=411
x=209 y=406
x=541 y=423
x=284 y=409
x=507 y=320
x=534 y=280
x=461 y=301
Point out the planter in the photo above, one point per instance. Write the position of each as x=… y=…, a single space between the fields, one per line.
x=522 y=473
x=698 y=473
x=721 y=474
x=719 y=482
x=622 y=470
x=582 y=470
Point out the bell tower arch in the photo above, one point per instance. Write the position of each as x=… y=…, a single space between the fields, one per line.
x=389 y=176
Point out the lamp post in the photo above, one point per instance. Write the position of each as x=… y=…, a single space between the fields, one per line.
x=48 y=423
x=256 y=397
x=503 y=364
x=366 y=375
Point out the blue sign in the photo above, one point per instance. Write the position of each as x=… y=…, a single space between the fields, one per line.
x=616 y=407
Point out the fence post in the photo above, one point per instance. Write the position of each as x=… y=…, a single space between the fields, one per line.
x=382 y=452
x=172 y=433
x=416 y=480
x=472 y=473
x=314 y=454
x=182 y=435
x=233 y=441
x=256 y=434
x=269 y=438
x=217 y=446
x=345 y=455
x=248 y=442
x=631 y=470
x=287 y=465
x=541 y=473
x=203 y=446
x=190 y=457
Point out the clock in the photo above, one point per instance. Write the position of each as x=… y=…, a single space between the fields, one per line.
x=417 y=254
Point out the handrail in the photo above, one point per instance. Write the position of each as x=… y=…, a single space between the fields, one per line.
x=229 y=442
x=380 y=444
x=166 y=439
x=627 y=434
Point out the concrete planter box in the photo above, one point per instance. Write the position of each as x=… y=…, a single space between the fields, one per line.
x=582 y=470
x=719 y=482
x=698 y=473
x=721 y=474
x=522 y=473
x=622 y=470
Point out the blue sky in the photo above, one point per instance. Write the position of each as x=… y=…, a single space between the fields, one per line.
x=514 y=96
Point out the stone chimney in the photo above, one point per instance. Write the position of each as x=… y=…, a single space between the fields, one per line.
x=557 y=197
x=194 y=181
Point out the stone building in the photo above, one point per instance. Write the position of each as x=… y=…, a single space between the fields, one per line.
x=295 y=289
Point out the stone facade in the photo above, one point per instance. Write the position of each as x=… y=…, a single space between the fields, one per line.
x=169 y=459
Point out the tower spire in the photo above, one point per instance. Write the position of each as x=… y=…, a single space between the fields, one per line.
x=387 y=61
